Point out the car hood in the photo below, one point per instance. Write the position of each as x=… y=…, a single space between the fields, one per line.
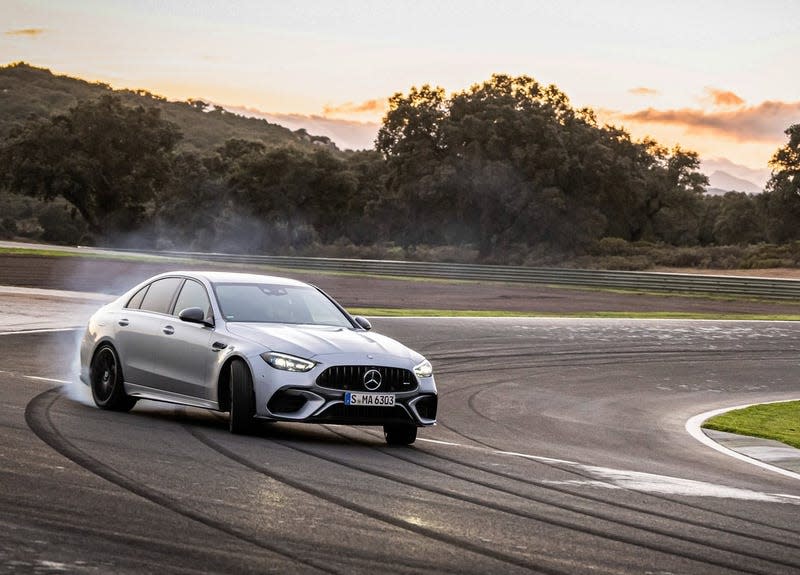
x=315 y=340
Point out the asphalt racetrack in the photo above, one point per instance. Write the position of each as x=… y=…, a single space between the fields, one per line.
x=561 y=448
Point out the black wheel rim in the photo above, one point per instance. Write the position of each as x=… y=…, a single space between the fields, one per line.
x=104 y=374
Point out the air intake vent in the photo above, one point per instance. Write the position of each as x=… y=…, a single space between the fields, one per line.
x=426 y=407
x=283 y=402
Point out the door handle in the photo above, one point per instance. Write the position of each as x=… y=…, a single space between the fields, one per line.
x=168 y=329
x=218 y=346
x=123 y=322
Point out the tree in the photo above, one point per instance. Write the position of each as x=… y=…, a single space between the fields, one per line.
x=737 y=221
x=104 y=158
x=298 y=196
x=782 y=196
x=509 y=162
x=676 y=201
x=188 y=209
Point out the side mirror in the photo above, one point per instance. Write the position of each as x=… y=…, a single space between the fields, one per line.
x=363 y=322
x=194 y=315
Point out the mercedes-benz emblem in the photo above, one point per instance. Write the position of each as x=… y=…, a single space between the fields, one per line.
x=372 y=379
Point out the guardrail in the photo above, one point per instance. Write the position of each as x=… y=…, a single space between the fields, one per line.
x=641 y=281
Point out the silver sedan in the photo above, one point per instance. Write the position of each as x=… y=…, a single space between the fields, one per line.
x=259 y=347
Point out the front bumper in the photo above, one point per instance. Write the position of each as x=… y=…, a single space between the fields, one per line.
x=324 y=406
x=291 y=396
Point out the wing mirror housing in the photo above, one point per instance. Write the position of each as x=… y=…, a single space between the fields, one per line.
x=362 y=322
x=195 y=315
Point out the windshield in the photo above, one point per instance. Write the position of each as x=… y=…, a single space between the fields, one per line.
x=273 y=303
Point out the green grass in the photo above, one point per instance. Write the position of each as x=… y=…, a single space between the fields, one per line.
x=780 y=421
x=423 y=312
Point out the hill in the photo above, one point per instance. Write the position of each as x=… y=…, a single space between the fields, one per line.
x=28 y=92
x=724 y=181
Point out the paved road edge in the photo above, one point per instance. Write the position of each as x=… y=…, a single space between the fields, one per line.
x=693 y=428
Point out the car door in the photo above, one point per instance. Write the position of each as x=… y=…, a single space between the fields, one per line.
x=138 y=327
x=184 y=353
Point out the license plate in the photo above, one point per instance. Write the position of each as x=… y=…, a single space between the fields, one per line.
x=371 y=399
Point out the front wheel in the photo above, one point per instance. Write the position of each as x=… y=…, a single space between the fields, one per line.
x=243 y=404
x=400 y=434
x=105 y=375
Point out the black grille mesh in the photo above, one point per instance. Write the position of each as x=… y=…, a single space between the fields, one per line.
x=340 y=413
x=426 y=407
x=351 y=378
x=283 y=402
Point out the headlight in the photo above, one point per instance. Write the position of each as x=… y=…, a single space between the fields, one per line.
x=287 y=362
x=424 y=369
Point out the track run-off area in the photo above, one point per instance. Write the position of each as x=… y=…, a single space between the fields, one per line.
x=561 y=448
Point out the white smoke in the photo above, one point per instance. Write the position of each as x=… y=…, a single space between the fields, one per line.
x=75 y=389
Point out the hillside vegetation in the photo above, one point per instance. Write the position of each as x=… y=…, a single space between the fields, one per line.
x=27 y=92
x=506 y=171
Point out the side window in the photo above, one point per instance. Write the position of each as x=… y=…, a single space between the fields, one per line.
x=159 y=296
x=137 y=298
x=193 y=294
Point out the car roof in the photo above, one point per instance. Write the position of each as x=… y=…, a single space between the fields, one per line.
x=233 y=277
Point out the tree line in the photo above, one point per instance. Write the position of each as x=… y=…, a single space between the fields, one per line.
x=506 y=167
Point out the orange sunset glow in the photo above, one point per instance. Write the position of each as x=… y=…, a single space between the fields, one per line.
x=714 y=77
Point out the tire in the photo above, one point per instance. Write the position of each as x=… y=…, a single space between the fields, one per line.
x=400 y=434
x=243 y=403
x=105 y=376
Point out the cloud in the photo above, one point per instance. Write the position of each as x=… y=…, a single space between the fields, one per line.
x=30 y=32
x=644 y=91
x=765 y=122
x=376 y=106
x=724 y=97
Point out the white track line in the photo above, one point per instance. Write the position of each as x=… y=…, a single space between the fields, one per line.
x=693 y=427
x=48 y=379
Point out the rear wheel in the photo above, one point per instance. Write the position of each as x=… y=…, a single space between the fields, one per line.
x=400 y=434
x=243 y=404
x=105 y=375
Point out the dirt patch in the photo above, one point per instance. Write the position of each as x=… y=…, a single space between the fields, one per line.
x=114 y=277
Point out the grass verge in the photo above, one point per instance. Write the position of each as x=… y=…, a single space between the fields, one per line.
x=780 y=421
x=399 y=312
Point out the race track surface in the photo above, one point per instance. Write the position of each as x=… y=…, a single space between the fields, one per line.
x=561 y=449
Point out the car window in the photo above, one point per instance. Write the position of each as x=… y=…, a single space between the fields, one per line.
x=268 y=303
x=320 y=308
x=137 y=298
x=159 y=297
x=193 y=294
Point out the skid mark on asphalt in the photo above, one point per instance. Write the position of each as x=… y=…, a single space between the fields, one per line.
x=637 y=480
x=605 y=476
x=37 y=416
x=617 y=478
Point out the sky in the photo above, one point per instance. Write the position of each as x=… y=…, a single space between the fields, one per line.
x=717 y=77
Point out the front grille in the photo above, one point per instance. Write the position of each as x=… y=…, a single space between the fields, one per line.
x=359 y=414
x=283 y=402
x=351 y=378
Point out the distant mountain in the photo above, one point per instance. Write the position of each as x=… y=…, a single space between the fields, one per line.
x=28 y=92
x=727 y=175
x=724 y=181
x=347 y=134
